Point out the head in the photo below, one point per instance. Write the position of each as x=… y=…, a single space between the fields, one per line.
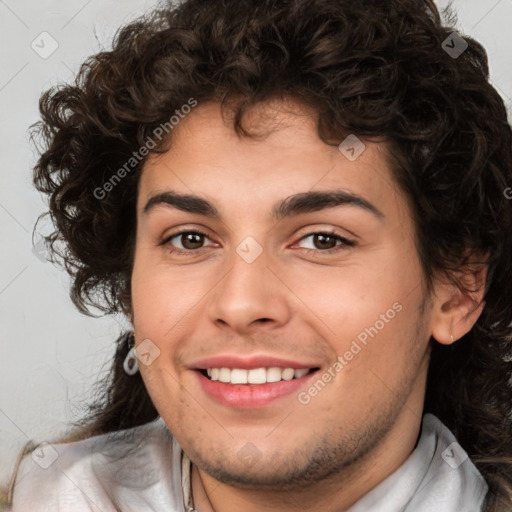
x=315 y=181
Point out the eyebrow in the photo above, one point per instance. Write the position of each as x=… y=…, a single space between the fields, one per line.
x=304 y=202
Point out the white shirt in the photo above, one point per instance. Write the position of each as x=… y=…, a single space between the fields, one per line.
x=142 y=470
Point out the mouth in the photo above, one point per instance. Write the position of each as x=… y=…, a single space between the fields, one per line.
x=255 y=388
x=255 y=376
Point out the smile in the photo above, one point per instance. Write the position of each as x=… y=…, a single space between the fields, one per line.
x=255 y=388
x=256 y=375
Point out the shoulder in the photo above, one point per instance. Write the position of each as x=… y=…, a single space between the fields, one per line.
x=98 y=473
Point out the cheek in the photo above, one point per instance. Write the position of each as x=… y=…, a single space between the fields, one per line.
x=161 y=293
x=385 y=353
x=373 y=314
x=348 y=300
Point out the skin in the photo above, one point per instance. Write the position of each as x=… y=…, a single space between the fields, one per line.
x=365 y=423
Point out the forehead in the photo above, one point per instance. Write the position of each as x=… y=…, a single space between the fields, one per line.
x=207 y=158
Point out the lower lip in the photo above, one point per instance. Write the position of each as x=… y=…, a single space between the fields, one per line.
x=250 y=396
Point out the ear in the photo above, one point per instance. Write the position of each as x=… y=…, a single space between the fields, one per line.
x=456 y=311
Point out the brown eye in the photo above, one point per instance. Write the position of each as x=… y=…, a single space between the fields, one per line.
x=191 y=240
x=185 y=242
x=323 y=241
x=327 y=242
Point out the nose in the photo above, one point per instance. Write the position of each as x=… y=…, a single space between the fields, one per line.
x=250 y=296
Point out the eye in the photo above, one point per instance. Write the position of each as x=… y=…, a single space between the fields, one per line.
x=325 y=242
x=190 y=242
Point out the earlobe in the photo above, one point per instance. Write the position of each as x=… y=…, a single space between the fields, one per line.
x=456 y=311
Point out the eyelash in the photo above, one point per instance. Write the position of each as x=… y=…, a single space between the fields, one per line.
x=345 y=242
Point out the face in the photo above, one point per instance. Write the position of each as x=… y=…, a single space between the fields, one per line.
x=265 y=280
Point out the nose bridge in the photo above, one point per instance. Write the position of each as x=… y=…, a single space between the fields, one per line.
x=249 y=291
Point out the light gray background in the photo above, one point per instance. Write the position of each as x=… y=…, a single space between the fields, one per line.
x=51 y=354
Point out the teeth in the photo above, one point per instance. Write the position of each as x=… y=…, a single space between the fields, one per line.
x=288 y=374
x=274 y=374
x=256 y=375
x=225 y=375
x=239 y=376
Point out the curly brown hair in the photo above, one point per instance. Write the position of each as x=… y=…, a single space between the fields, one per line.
x=380 y=70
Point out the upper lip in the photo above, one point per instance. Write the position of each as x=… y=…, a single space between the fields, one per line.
x=250 y=362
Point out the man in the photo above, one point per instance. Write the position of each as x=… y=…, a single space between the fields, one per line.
x=300 y=207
